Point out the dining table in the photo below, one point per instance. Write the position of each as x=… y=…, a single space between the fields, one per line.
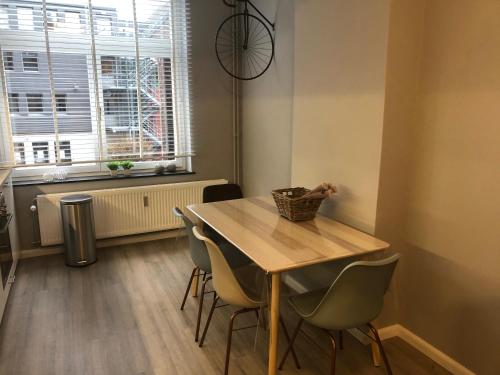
x=277 y=245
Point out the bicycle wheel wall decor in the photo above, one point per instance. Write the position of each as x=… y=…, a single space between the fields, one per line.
x=245 y=45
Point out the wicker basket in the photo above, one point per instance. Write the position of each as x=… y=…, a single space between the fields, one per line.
x=292 y=207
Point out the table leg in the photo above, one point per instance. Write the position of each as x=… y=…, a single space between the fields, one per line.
x=375 y=354
x=275 y=315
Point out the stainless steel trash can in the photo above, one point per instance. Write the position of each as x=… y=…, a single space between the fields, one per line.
x=79 y=230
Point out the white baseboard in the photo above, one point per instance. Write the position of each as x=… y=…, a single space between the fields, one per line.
x=424 y=347
x=108 y=242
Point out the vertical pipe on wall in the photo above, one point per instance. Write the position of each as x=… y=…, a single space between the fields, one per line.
x=236 y=112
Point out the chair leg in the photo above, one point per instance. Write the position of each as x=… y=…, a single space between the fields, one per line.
x=290 y=345
x=287 y=336
x=178 y=234
x=200 y=307
x=341 y=340
x=188 y=287
x=209 y=319
x=379 y=343
x=230 y=336
x=334 y=351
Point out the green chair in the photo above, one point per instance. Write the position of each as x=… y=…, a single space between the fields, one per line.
x=353 y=300
x=202 y=267
x=241 y=288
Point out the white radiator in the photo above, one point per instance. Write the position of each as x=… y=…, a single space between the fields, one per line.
x=124 y=211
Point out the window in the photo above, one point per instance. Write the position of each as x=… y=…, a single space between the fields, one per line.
x=25 y=19
x=41 y=152
x=72 y=22
x=107 y=63
x=8 y=60
x=4 y=17
x=35 y=102
x=103 y=25
x=14 y=102
x=30 y=62
x=108 y=103
x=52 y=19
x=65 y=147
x=61 y=102
x=19 y=153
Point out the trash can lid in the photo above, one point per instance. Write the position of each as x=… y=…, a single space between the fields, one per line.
x=76 y=199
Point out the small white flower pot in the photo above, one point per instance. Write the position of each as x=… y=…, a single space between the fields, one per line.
x=126 y=172
x=113 y=173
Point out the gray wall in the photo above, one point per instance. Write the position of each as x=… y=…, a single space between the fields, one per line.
x=212 y=121
x=266 y=110
x=439 y=201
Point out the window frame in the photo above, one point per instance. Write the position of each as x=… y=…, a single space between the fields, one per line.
x=32 y=95
x=32 y=16
x=8 y=61
x=35 y=56
x=11 y=96
x=60 y=104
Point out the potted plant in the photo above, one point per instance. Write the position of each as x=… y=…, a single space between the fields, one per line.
x=113 y=168
x=159 y=169
x=127 y=165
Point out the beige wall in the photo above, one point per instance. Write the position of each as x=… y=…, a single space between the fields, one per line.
x=212 y=98
x=340 y=58
x=431 y=182
x=439 y=198
x=266 y=110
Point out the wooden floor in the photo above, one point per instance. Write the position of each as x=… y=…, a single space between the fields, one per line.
x=121 y=316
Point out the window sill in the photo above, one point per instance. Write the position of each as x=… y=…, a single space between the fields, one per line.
x=68 y=180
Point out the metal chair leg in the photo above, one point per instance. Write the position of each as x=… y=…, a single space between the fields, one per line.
x=334 y=351
x=379 y=343
x=200 y=308
x=287 y=336
x=230 y=336
x=188 y=287
x=209 y=319
x=292 y=340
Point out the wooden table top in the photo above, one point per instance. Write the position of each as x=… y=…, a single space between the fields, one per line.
x=276 y=244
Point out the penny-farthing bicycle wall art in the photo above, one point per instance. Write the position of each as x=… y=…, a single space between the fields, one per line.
x=244 y=43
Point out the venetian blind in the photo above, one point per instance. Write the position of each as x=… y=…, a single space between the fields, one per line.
x=92 y=81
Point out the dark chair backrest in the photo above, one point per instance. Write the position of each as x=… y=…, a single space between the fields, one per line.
x=224 y=192
x=197 y=248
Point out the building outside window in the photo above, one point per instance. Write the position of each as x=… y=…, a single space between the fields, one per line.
x=35 y=102
x=14 y=102
x=30 y=62
x=41 y=152
x=61 y=105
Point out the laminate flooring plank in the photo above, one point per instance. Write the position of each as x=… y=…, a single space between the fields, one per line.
x=121 y=316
